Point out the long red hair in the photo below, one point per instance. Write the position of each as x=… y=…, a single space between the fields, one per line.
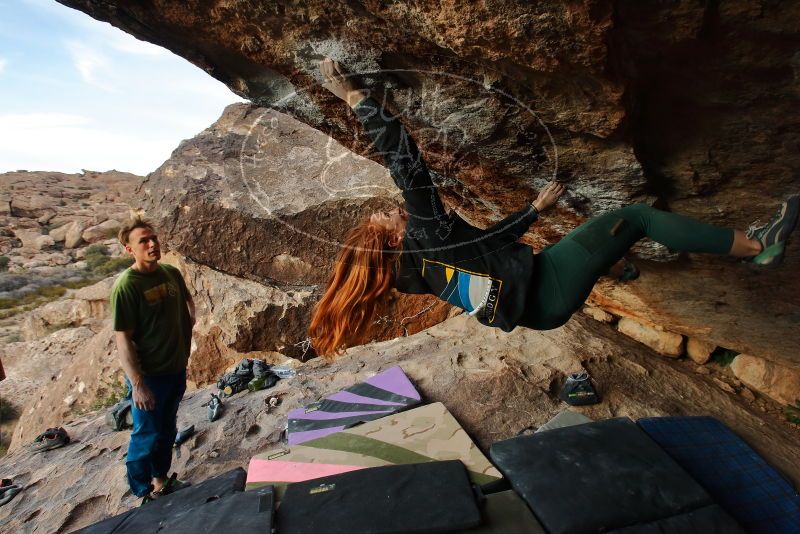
x=362 y=279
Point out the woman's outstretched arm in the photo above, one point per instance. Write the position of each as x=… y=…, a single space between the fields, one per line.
x=391 y=140
x=516 y=224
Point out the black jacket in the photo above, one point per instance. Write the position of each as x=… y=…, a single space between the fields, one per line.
x=442 y=254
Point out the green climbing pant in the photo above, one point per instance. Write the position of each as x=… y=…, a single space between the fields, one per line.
x=564 y=273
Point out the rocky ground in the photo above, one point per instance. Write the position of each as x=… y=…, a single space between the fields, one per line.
x=496 y=385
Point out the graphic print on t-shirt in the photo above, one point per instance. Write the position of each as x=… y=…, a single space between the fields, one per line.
x=157 y=293
x=466 y=289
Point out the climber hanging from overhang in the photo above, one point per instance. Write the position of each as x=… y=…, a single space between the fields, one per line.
x=420 y=248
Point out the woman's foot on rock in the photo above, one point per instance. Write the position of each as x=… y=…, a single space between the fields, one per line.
x=775 y=234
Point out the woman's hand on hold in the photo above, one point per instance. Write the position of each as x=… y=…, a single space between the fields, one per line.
x=549 y=195
x=339 y=82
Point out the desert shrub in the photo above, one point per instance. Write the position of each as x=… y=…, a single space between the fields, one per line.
x=110 y=394
x=97 y=248
x=793 y=413
x=113 y=265
x=4 y=263
x=723 y=357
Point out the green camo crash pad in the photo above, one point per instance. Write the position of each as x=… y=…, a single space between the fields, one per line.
x=424 y=434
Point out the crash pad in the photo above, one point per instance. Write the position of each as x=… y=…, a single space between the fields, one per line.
x=707 y=520
x=413 y=498
x=148 y=518
x=425 y=434
x=596 y=476
x=735 y=475
x=250 y=511
x=505 y=513
x=385 y=393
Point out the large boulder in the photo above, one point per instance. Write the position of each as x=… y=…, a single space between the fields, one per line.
x=101 y=231
x=74 y=235
x=44 y=242
x=59 y=234
x=28 y=237
x=624 y=101
x=776 y=381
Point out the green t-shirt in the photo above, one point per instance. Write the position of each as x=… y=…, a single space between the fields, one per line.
x=153 y=305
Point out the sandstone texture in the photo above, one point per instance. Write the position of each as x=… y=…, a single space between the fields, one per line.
x=776 y=381
x=688 y=105
x=665 y=343
x=698 y=350
x=495 y=384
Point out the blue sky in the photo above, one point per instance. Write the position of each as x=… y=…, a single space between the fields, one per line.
x=76 y=93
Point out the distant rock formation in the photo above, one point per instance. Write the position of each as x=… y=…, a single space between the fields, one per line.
x=46 y=217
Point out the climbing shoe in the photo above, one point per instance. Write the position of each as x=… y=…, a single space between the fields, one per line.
x=52 y=438
x=150 y=497
x=183 y=435
x=260 y=368
x=774 y=235
x=215 y=408
x=263 y=382
x=578 y=390
x=171 y=486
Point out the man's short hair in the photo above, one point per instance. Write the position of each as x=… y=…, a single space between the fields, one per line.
x=135 y=221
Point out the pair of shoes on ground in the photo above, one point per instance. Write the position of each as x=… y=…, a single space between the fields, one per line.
x=52 y=438
x=8 y=491
x=775 y=234
x=170 y=486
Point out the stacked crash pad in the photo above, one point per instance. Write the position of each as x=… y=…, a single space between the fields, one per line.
x=734 y=474
x=606 y=476
x=425 y=434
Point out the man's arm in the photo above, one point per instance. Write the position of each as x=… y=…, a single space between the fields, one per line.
x=142 y=396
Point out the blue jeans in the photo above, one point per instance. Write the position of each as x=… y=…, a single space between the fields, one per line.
x=153 y=436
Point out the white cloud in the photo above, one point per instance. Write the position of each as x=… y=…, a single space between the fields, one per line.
x=33 y=121
x=68 y=143
x=3 y=64
x=91 y=64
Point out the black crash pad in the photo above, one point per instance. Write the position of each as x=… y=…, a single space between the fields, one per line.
x=505 y=513
x=147 y=518
x=426 y=497
x=596 y=477
x=245 y=512
x=708 y=520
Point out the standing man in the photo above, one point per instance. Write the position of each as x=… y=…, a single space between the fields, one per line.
x=153 y=316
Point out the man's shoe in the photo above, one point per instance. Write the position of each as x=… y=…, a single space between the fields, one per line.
x=171 y=486
x=774 y=235
x=149 y=498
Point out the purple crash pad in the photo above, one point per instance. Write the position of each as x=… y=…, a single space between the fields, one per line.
x=385 y=393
